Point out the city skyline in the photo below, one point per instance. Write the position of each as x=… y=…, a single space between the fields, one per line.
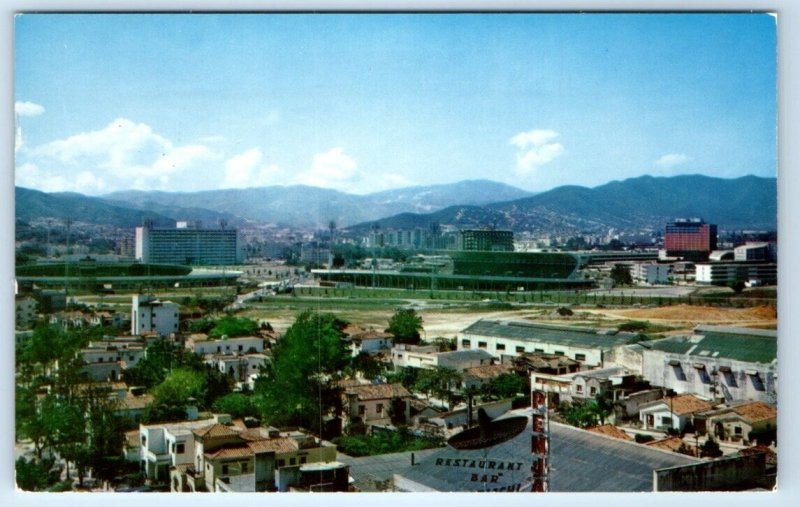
x=362 y=103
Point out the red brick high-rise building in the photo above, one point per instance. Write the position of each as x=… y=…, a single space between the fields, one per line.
x=691 y=239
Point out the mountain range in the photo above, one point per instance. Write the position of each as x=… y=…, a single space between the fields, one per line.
x=749 y=202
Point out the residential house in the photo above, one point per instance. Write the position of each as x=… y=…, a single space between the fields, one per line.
x=477 y=376
x=720 y=363
x=371 y=342
x=414 y=356
x=376 y=404
x=107 y=360
x=579 y=386
x=152 y=315
x=201 y=344
x=673 y=412
x=229 y=456
x=587 y=345
x=741 y=422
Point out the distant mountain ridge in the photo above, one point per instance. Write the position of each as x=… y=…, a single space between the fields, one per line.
x=749 y=202
x=304 y=206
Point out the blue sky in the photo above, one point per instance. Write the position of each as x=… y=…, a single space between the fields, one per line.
x=368 y=102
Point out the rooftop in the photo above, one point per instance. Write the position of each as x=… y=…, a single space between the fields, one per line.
x=682 y=404
x=751 y=411
x=465 y=355
x=738 y=344
x=378 y=391
x=240 y=451
x=667 y=444
x=561 y=335
x=610 y=430
x=215 y=430
x=582 y=461
x=488 y=371
x=281 y=445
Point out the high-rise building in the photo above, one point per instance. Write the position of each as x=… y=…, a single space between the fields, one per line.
x=187 y=245
x=487 y=240
x=692 y=239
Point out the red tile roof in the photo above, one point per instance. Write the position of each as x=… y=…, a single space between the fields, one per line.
x=669 y=443
x=756 y=411
x=215 y=430
x=240 y=451
x=611 y=431
x=378 y=391
x=280 y=445
x=488 y=371
x=686 y=404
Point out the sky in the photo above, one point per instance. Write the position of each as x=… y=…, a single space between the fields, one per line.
x=368 y=102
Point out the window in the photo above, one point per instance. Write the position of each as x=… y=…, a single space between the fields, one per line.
x=592 y=391
x=245 y=467
x=465 y=344
x=281 y=463
x=292 y=461
x=173 y=447
x=181 y=448
x=539 y=350
x=224 y=469
x=500 y=346
x=520 y=350
x=241 y=348
x=302 y=459
x=579 y=388
x=380 y=408
x=559 y=352
x=362 y=410
x=666 y=420
x=130 y=358
x=481 y=345
x=144 y=440
x=580 y=357
x=737 y=430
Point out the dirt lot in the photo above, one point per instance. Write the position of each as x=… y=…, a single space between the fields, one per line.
x=679 y=315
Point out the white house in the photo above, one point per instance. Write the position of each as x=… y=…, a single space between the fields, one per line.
x=151 y=315
x=202 y=345
x=671 y=412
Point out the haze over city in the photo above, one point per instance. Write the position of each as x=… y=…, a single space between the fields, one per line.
x=366 y=103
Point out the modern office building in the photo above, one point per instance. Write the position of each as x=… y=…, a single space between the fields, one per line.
x=691 y=239
x=486 y=240
x=730 y=273
x=188 y=245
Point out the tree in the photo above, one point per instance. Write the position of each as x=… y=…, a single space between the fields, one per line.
x=710 y=448
x=299 y=385
x=445 y=344
x=236 y=404
x=367 y=365
x=621 y=275
x=233 y=326
x=440 y=381
x=179 y=387
x=405 y=325
x=507 y=385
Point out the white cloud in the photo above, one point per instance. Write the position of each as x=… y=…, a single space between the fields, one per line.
x=28 y=109
x=127 y=154
x=31 y=176
x=535 y=149
x=331 y=169
x=247 y=170
x=671 y=160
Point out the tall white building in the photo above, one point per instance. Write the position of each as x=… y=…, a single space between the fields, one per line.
x=151 y=315
x=187 y=245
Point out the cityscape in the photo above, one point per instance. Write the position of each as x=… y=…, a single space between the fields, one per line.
x=551 y=288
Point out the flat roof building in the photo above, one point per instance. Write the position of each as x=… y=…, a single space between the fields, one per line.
x=692 y=239
x=188 y=246
x=498 y=338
